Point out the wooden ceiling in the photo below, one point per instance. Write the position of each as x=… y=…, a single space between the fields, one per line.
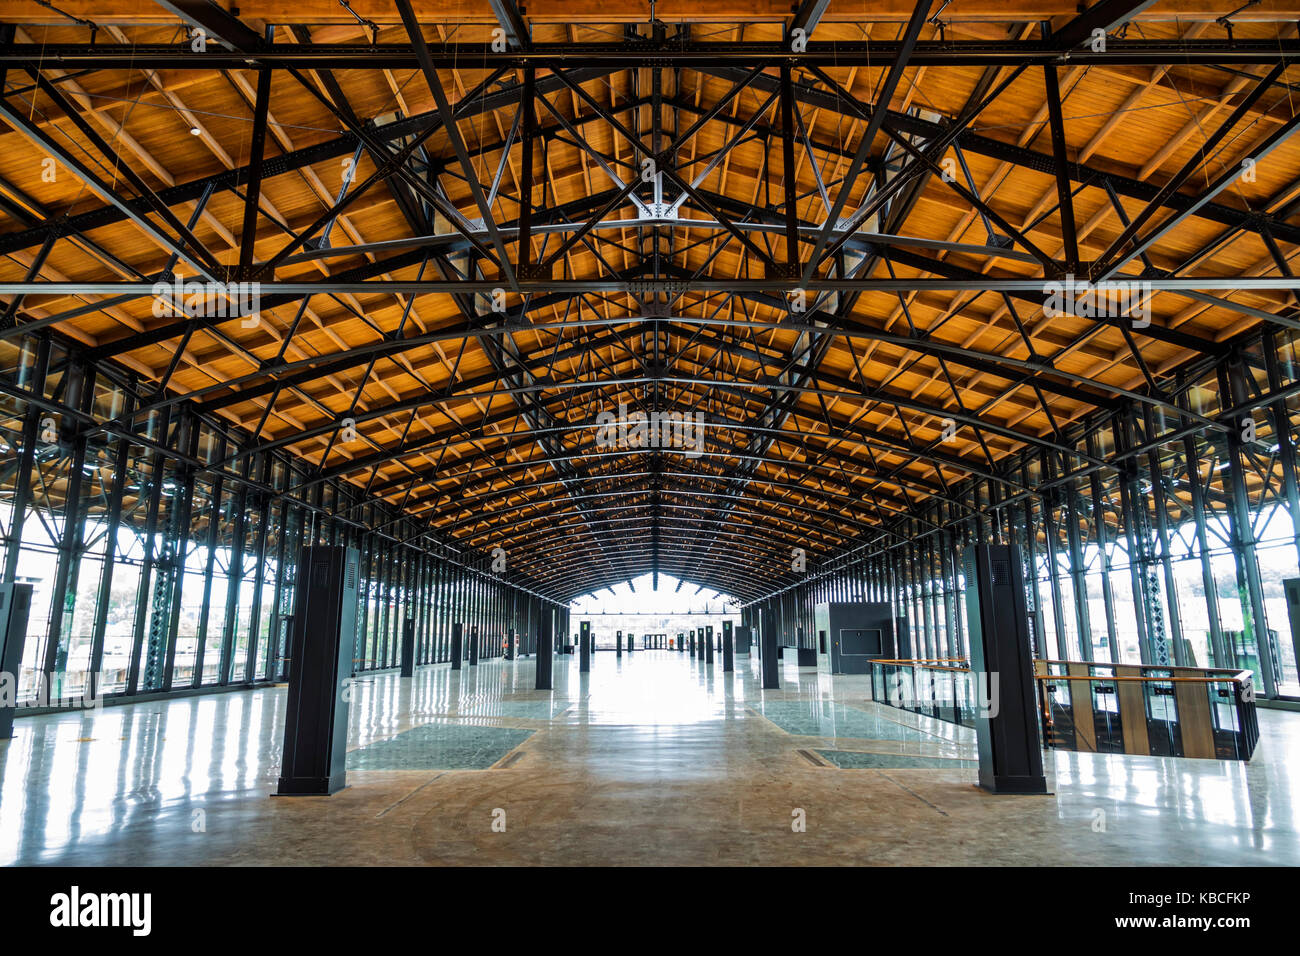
x=822 y=428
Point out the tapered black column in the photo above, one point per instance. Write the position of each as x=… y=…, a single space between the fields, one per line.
x=630 y=637
x=692 y=643
x=510 y=644
x=770 y=665
x=1006 y=731
x=15 y=607
x=708 y=644
x=457 y=645
x=728 y=653
x=473 y=645
x=316 y=706
x=618 y=643
x=584 y=647
x=545 y=648
x=408 y=648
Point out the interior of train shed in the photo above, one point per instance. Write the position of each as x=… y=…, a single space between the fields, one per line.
x=649 y=432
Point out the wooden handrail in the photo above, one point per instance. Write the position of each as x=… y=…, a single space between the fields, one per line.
x=1231 y=676
x=1237 y=678
x=1162 y=667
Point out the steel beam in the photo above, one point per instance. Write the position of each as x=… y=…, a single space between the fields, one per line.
x=690 y=54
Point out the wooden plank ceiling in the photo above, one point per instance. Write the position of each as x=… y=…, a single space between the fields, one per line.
x=814 y=440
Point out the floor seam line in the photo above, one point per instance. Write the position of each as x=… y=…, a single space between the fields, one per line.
x=386 y=810
x=912 y=792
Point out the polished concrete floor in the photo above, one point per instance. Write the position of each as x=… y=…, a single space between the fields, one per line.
x=650 y=759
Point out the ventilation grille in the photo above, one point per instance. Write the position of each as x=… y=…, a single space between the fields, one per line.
x=1001 y=569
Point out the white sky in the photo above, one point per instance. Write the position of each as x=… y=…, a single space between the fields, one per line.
x=667 y=600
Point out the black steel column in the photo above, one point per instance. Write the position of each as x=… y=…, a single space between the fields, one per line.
x=728 y=652
x=1054 y=581
x=618 y=643
x=1101 y=539
x=408 y=647
x=545 y=648
x=1006 y=720
x=316 y=707
x=15 y=608
x=584 y=647
x=473 y=645
x=205 y=606
x=111 y=558
x=1241 y=531
x=767 y=649
x=236 y=575
x=1286 y=450
x=457 y=644
x=708 y=644
x=630 y=636
x=35 y=380
x=1078 y=573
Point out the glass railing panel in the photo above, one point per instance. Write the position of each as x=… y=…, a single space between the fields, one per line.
x=1091 y=707
x=1108 y=726
x=1162 y=718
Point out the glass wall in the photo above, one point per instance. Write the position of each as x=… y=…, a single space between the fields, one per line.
x=164 y=559
x=1178 y=549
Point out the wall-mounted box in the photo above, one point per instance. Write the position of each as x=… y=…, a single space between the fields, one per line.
x=851 y=634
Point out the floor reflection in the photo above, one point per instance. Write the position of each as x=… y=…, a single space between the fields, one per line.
x=121 y=784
